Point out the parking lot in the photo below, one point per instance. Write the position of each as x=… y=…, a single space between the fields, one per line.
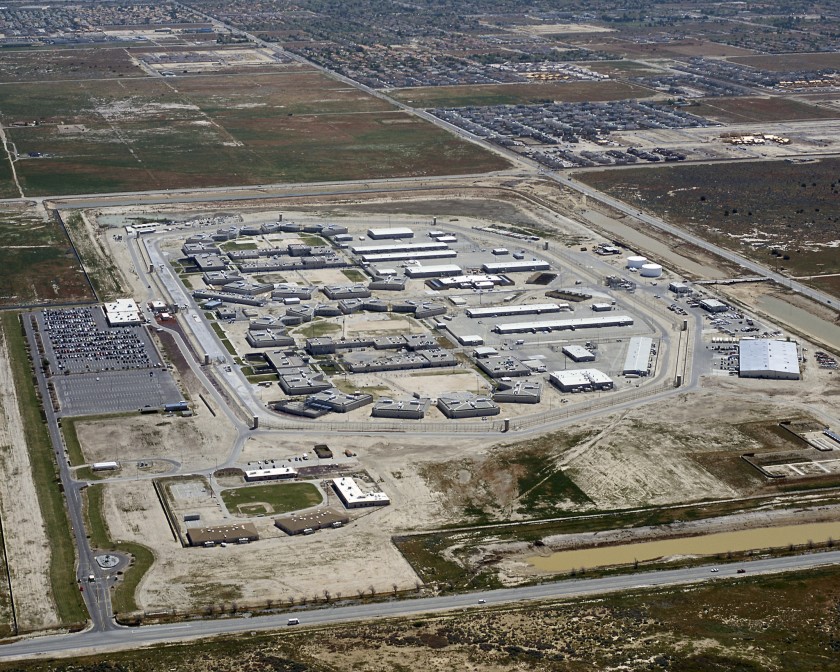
x=97 y=369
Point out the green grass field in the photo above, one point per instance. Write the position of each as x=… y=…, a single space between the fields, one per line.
x=279 y=498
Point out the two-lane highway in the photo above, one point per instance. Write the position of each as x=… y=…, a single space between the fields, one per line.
x=66 y=645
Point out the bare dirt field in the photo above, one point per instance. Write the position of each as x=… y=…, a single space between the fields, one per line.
x=197 y=442
x=27 y=545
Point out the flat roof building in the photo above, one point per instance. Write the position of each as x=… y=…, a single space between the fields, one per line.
x=679 y=288
x=577 y=353
x=519 y=392
x=398 y=247
x=308 y=522
x=435 y=271
x=122 y=313
x=231 y=534
x=384 y=234
x=457 y=405
x=526 y=309
x=408 y=256
x=300 y=381
x=353 y=497
x=405 y=409
x=275 y=474
x=713 y=305
x=560 y=325
x=638 y=356
x=501 y=366
x=766 y=358
x=337 y=401
x=581 y=380
x=514 y=266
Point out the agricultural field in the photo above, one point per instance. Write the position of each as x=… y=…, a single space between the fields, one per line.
x=217 y=130
x=786 y=215
x=516 y=94
x=37 y=261
x=741 y=110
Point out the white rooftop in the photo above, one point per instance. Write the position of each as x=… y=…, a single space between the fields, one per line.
x=766 y=358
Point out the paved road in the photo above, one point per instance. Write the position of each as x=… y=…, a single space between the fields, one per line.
x=133 y=637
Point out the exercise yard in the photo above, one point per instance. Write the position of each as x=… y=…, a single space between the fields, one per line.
x=255 y=500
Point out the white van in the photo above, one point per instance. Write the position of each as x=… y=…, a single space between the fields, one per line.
x=293 y=621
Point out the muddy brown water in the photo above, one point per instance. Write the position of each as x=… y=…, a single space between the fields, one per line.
x=709 y=544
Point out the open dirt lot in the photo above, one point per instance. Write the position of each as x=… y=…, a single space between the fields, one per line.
x=197 y=442
x=27 y=545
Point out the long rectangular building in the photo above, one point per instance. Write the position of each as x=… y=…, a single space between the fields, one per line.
x=437 y=271
x=638 y=355
x=560 y=325
x=515 y=266
x=398 y=247
x=527 y=309
x=353 y=497
x=408 y=256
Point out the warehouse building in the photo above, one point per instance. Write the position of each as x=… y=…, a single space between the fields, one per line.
x=393 y=233
x=581 y=380
x=601 y=307
x=514 y=266
x=230 y=534
x=519 y=392
x=309 y=522
x=437 y=271
x=274 y=474
x=527 y=309
x=403 y=409
x=638 y=356
x=456 y=405
x=353 y=497
x=713 y=305
x=577 y=353
x=560 y=325
x=398 y=247
x=679 y=288
x=408 y=256
x=765 y=358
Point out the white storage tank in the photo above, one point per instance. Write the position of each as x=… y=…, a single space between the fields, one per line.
x=651 y=271
x=636 y=262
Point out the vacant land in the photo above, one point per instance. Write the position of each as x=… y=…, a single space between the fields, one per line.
x=270 y=499
x=143 y=133
x=753 y=208
x=45 y=65
x=788 y=62
x=740 y=110
x=516 y=94
x=37 y=262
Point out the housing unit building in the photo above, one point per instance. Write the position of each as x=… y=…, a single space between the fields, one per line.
x=404 y=409
x=501 y=366
x=464 y=405
x=518 y=392
x=295 y=382
x=335 y=400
